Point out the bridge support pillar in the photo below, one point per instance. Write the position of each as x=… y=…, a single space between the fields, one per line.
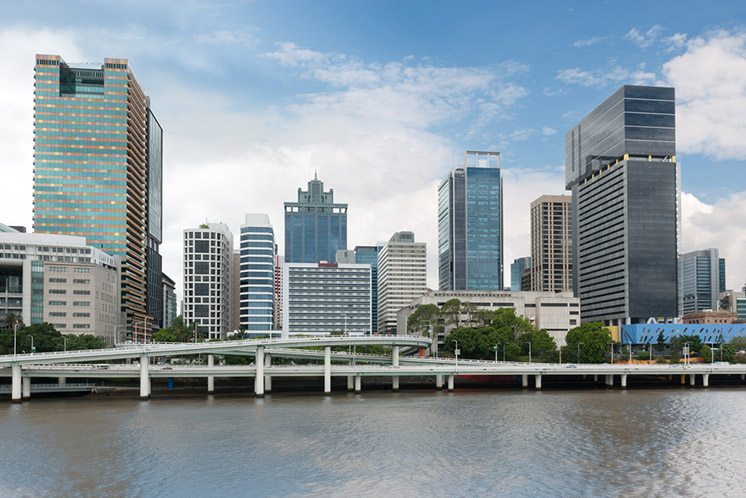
x=524 y=380
x=624 y=380
x=358 y=384
x=61 y=381
x=610 y=380
x=705 y=380
x=395 y=364
x=450 y=383
x=144 y=378
x=26 y=395
x=15 y=388
x=259 y=378
x=439 y=382
x=537 y=378
x=595 y=378
x=210 y=379
x=327 y=370
x=743 y=376
x=692 y=380
x=350 y=382
x=267 y=378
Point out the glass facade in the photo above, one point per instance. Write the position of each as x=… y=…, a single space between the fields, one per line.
x=620 y=166
x=700 y=280
x=516 y=272
x=470 y=221
x=257 y=274
x=91 y=164
x=315 y=227
x=37 y=292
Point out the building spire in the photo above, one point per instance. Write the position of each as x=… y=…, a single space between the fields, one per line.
x=315 y=174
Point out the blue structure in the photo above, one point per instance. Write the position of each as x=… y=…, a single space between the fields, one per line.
x=315 y=227
x=470 y=225
x=516 y=271
x=257 y=274
x=647 y=333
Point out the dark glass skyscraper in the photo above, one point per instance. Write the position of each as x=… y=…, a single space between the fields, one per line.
x=315 y=227
x=470 y=225
x=620 y=164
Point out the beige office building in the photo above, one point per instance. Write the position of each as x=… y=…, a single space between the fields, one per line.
x=402 y=277
x=551 y=259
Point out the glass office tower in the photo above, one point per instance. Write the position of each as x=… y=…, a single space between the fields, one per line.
x=257 y=278
x=470 y=225
x=315 y=227
x=93 y=162
x=700 y=280
x=620 y=163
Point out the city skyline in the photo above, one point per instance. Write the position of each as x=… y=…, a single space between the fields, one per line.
x=304 y=108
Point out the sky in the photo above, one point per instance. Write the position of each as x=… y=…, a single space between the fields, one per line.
x=382 y=98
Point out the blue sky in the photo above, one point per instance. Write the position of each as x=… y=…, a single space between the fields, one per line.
x=383 y=98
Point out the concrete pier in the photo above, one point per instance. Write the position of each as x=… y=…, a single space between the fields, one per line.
x=537 y=378
x=327 y=370
x=350 y=382
x=259 y=379
x=450 y=383
x=692 y=380
x=524 y=380
x=26 y=388
x=395 y=364
x=358 y=384
x=144 y=378
x=210 y=379
x=439 y=382
x=706 y=380
x=267 y=378
x=624 y=380
x=15 y=389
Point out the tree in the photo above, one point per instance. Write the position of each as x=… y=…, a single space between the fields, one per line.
x=661 y=341
x=706 y=353
x=423 y=319
x=591 y=340
x=11 y=319
x=177 y=332
x=542 y=344
x=451 y=312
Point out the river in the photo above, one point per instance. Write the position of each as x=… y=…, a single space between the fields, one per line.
x=644 y=442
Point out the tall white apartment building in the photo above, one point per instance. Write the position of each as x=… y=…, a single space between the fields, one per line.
x=208 y=262
x=402 y=277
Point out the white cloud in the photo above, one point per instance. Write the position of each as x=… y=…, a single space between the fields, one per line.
x=721 y=225
x=710 y=82
x=675 y=41
x=644 y=39
x=588 y=41
x=548 y=131
x=227 y=37
x=602 y=77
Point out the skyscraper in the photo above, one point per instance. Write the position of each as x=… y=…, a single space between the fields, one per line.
x=470 y=225
x=700 y=280
x=516 y=273
x=257 y=273
x=365 y=255
x=551 y=268
x=208 y=261
x=315 y=227
x=620 y=164
x=98 y=171
x=402 y=277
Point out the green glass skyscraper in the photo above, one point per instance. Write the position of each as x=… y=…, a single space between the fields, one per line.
x=94 y=171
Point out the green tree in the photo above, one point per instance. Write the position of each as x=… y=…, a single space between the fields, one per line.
x=591 y=340
x=424 y=319
x=10 y=320
x=706 y=353
x=661 y=341
x=451 y=312
x=178 y=331
x=543 y=346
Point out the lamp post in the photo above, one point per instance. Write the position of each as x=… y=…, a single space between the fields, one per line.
x=64 y=342
x=579 y=350
x=494 y=348
x=612 y=352
x=15 y=336
x=529 y=351
x=686 y=353
x=712 y=352
x=456 y=352
x=33 y=349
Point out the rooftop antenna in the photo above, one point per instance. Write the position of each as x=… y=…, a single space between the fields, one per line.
x=315 y=174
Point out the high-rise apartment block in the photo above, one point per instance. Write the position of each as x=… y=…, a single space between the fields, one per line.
x=208 y=261
x=315 y=226
x=470 y=225
x=402 y=277
x=620 y=163
x=279 y=262
x=700 y=280
x=257 y=274
x=169 y=300
x=517 y=269
x=551 y=261
x=60 y=280
x=98 y=171
x=326 y=298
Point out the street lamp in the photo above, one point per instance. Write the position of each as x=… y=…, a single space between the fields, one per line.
x=529 y=351
x=33 y=349
x=456 y=352
x=494 y=348
x=686 y=352
x=612 y=352
x=712 y=352
x=64 y=342
x=15 y=336
x=579 y=350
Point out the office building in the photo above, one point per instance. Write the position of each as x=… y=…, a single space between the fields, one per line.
x=279 y=262
x=721 y=265
x=169 y=301
x=551 y=269
x=208 y=261
x=326 y=298
x=235 y=308
x=60 y=280
x=620 y=164
x=98 y=171
x=700 y=280
x=257 y=274
x=556 y=312
x=470 y=225
x=402 y=277
x=516 y=272
x=365 y=255
x=315 y=226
